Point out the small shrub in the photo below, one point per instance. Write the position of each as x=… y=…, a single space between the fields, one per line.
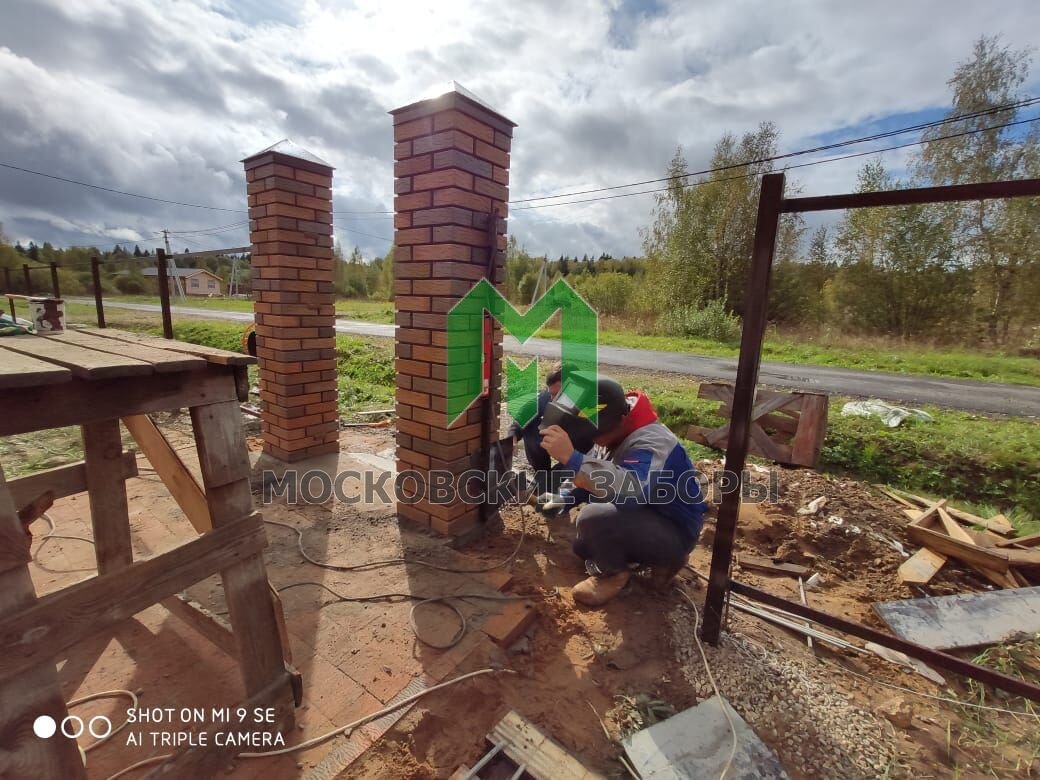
x=711 y=321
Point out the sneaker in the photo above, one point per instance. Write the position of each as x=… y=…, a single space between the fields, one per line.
x=598 y=590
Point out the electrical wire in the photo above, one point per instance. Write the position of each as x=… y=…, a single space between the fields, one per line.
x=105 y=695
x=403 y=561
x=789 y=167
x=1024 y=103
x=336 y=731
x=711 y=679
x=52 y=534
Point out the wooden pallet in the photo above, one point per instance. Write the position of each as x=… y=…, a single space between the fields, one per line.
x=786 y=427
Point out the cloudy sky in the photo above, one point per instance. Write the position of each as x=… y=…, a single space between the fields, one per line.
x=165 y=97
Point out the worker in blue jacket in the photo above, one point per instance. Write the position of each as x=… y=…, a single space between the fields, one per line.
x=537 y=457
x=642 y=502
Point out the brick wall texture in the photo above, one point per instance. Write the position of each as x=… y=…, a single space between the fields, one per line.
x=451 y=169
x=290 y=213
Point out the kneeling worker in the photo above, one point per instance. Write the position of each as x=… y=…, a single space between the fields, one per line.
x=644 y=505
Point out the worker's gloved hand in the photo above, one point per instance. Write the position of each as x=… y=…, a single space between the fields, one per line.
x=552 y=505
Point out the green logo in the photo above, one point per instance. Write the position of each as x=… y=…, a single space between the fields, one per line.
x=467 y=358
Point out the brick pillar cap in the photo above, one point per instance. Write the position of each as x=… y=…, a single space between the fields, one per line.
x=287 y=148
x=457 y=97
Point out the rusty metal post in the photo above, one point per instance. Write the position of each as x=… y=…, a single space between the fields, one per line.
x=54 y=281
x=9 y=289
x=28 y=279
x=164 y=293
x=95 y=274
x=755 y=308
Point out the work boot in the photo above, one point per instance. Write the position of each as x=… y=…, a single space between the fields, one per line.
x=597 y=590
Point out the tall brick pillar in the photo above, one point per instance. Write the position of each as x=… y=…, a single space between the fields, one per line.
x=452 y=170
x=290 y=213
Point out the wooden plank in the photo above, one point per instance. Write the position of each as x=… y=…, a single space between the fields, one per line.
x=952 y=529
x=36 y=691
x=210 y=354
x=106 y=492
x=224 y=462
x=61 y=620
x=768 y=566
x=998 y=561
x=171 y=470
x=812 y=430
x=920 y=567
x=965 y=619
x=80 y=401
x=960 y=515
x=1022 y=557
x=1000 y=521
x=212 y=627
x=896 y=497
x=162 y=360
x=18 y=370
x=82 y=362
x=1033 y=540
x=543 y=757
x=62 y=481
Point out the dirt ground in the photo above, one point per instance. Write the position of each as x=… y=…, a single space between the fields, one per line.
x=579 y=675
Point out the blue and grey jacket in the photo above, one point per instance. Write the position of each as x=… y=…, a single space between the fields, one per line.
x=649 y=468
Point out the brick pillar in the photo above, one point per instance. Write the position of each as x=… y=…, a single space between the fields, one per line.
x=290 y=213
x=451 y=169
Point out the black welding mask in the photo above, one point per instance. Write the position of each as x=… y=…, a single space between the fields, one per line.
x=580 y=395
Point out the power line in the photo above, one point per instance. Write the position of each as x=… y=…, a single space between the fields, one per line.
x=789 y=167
x=1024 y=103
x=204 y=231
x=367 y=235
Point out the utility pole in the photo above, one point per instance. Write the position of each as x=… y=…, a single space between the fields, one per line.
x=173 y=265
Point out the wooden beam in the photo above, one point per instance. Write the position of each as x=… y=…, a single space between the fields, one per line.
x=59 y=621
x=225 y=467
x=763 y=564
x=35 y=691
x=171 y=470
x=62 y=481
x=106 y=491
x=209 y=354
x=18 y=370
x=1033 y=540
x=79 y=401
x=200 y=619
x=962 y=551
x=920 y=567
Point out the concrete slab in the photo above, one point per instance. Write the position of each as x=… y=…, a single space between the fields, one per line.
x=696 y=744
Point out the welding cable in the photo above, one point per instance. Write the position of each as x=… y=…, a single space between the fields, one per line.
x=419 y=602
x=711 y=679
x=51 y=534
x=347 y=729
x=113 y=694
x=405 y=561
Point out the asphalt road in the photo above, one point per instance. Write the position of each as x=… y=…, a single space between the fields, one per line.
x=910 y=389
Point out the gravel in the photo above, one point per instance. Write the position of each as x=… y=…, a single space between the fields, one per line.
x=815 y=730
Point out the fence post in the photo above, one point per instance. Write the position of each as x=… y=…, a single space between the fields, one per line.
x=8 y=288
x=95 y=273
x=54 y=280
x=28 y=279
x=164 y=293
x=756 y=303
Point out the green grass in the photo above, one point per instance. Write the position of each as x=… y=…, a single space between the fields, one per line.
x=982 y=464
x=905 y=359
x=351 y=309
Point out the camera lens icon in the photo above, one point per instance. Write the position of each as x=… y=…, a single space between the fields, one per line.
x=72 y=726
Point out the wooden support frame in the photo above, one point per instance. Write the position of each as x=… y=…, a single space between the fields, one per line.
x=770 y=206
x=82 y=380
x=785 y=427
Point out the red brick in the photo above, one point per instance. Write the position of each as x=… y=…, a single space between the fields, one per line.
x=458 y=526
x=447 y=215
x=413 y=428
x=490 y=188
x=411 y=270
x=285 y=210
x=454 y=288
x=413 y=165
x=412 y=236
x=457 y=234
x=450 y=139
x=413 y=398
x=502 y=141
x=402 y=287
x=492 y=154
x=413 y=129
x=402 y=150
x=457 y=120
x=441 y=252
x=451 y=177
x=418 y=459
x=510 y=623
x=413 y=303
x=418 y=200
x=500 y=176
x=455 y=158
x=275 y=196
x=317 y=179
x=412 y=367
x=403 y=220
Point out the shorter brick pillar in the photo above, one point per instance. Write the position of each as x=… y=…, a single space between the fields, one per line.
x=452 y=170
x=290 y=213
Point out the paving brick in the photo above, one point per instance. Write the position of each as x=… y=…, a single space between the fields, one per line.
x=510 y=623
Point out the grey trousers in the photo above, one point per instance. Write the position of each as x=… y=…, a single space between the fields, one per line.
x=613 y=538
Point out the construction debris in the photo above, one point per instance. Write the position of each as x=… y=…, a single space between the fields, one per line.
x=772 y=567
x=965 y=619
x=702 y=741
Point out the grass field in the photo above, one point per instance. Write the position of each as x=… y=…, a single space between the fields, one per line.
x=838 y=351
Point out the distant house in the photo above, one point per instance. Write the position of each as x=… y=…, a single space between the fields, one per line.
x=195 y=281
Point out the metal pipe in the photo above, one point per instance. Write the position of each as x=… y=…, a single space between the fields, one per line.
x=488 y=349
x=743 y=400
x=1023 y=188
x=54 y=281
x=935 y=658
x=95 y=274
x=484 y=761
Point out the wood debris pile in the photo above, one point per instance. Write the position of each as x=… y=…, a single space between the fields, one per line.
x=944 y=533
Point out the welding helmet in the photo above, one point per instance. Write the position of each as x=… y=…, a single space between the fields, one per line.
x=582 y=394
